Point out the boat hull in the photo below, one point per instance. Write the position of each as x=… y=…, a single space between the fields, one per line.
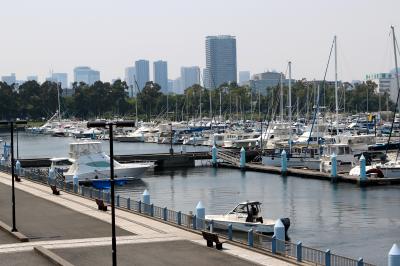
x=119 y=172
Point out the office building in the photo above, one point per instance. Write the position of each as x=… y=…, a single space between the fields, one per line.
x=61 y=78
x=177 y=86
x=86 y=74
x=189 y=76
x=171 y=85
x=264 y=81
x=142 y=73
x=11 y=79
x=221 y=65
x=382 y=80
x=244 y=76
x=160 y=75
x=130 y=74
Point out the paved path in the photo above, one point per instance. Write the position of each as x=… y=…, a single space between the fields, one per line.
x=138 y=235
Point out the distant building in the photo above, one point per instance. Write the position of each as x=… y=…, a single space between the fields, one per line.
x=189 y=76
x=177 y=87
x=393 y=90
x=244 y=76
x=86 y=74
x=11 y=79
x=32 y=78
x=59 y=78
x=142 y=73
x=171 y=85
x=266 y=80
x=160 y=75
x=221 y=65
x=382 y=81
x=130 y=74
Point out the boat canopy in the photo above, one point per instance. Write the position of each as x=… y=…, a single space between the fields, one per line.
x=84 y=148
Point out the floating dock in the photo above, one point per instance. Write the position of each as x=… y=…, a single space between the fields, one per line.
x=311 y=174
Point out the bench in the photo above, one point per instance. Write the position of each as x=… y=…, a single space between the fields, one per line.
x=100 y=205
x=55 y=190
x=211 y=238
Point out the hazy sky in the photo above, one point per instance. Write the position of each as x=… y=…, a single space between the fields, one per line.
x=108 y=35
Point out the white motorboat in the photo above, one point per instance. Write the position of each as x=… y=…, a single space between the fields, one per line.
x=389 y=169
x=246 y=216
x=90 y=162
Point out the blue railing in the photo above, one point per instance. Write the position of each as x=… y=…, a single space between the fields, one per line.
x=295 y=251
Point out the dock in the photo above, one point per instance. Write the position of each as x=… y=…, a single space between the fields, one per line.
x=311 y=174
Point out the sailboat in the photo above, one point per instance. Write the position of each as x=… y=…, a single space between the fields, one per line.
x=391 y=168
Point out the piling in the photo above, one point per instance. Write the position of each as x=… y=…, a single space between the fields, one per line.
x=333 y=167
x=394 y=256
x=200 y=214
x=2 y=161
x=250 y=238
x=75 y=181
x=242 y=158
x=146 y=201
x=214 y=152
x=299 y=252
x=363 y=173
x=51 y=176
x=230 y=232
x=146 y=197
x=327 y=257
x=283 y=162
x=18 y=168
x=279 y=232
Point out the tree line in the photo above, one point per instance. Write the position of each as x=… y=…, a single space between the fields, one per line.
x=35 y=101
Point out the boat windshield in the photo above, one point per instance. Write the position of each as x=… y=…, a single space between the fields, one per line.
x=241 y=208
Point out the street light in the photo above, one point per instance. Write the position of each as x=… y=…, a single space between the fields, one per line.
x=110 y=124
x=12 y=123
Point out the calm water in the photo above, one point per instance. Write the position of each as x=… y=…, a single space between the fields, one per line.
x=351 y=221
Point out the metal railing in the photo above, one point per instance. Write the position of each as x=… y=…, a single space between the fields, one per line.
x=252 y=239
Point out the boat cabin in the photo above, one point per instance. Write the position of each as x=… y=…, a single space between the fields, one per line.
x=249 y=209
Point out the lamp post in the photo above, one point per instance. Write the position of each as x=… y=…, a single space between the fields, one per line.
x=110 y=126
x=12 y=123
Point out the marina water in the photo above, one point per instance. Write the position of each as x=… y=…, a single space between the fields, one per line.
x=349 y=220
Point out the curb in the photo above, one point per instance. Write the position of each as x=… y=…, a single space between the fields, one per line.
x=51 y=256
x=21 y=237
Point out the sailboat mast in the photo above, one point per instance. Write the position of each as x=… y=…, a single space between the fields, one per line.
x=59 y=106
x=281 y=101
x=336 y=89
x=201 y=117
x=220 y=105
x=290 y=107
x=395 y=59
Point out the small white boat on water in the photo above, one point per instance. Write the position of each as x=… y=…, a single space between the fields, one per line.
x=90 y=162
x=246 y=216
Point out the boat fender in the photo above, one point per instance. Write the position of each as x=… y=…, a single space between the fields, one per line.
x=376 y=171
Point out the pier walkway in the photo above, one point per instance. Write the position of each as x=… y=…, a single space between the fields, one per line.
x=71 y=229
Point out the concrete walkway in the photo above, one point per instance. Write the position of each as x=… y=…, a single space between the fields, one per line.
x=140 y=239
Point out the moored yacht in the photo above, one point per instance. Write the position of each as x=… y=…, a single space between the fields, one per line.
x=90 y=162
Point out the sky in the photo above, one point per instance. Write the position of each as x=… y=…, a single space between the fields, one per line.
x=108 y=35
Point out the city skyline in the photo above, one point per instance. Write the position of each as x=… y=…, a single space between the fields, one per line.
x=268 y=35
